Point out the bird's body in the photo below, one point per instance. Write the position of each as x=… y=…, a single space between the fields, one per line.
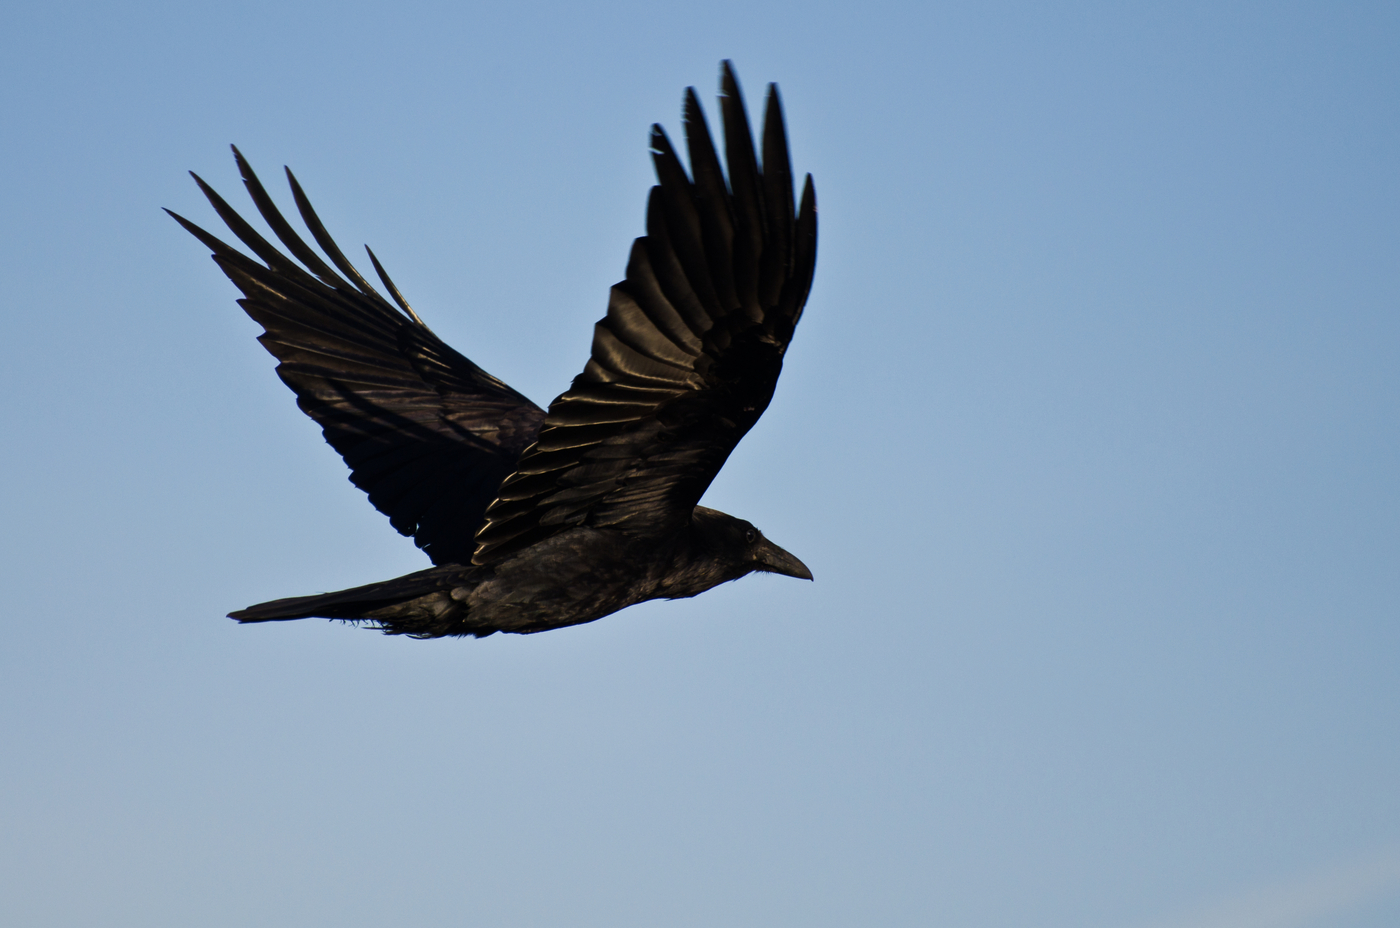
x=574 y=577
x=537 y=520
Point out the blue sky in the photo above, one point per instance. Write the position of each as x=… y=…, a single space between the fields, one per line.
x=1090 y=436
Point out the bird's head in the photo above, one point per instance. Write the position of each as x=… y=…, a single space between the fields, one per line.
x=736 y=548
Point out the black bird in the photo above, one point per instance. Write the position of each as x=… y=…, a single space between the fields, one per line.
x=538 y=520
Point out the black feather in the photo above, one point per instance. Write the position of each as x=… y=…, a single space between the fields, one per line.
x=537 y=520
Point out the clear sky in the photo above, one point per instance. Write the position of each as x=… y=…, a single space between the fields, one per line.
x=1090 y=435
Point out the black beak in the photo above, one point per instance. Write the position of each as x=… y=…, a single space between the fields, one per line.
x=775 y=560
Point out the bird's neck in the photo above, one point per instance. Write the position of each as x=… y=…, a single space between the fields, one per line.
x=691 y=567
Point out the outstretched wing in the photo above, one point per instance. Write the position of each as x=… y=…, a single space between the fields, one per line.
x=688 y=355
x=427 y=434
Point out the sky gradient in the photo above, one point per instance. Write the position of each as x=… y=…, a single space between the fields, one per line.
x=1089 y=434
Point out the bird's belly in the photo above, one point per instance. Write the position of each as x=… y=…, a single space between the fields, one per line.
x=573 y=578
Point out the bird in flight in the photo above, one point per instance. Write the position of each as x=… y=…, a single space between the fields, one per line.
x=539 y=519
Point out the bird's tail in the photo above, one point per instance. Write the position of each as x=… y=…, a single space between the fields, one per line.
x=428 y=604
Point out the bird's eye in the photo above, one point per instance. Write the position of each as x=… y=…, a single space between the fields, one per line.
x=751 y=536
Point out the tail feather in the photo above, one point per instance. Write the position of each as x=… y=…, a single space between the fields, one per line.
x=346 y=604
x=421 y=604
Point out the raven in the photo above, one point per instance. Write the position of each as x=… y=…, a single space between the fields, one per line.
x=537 y=520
